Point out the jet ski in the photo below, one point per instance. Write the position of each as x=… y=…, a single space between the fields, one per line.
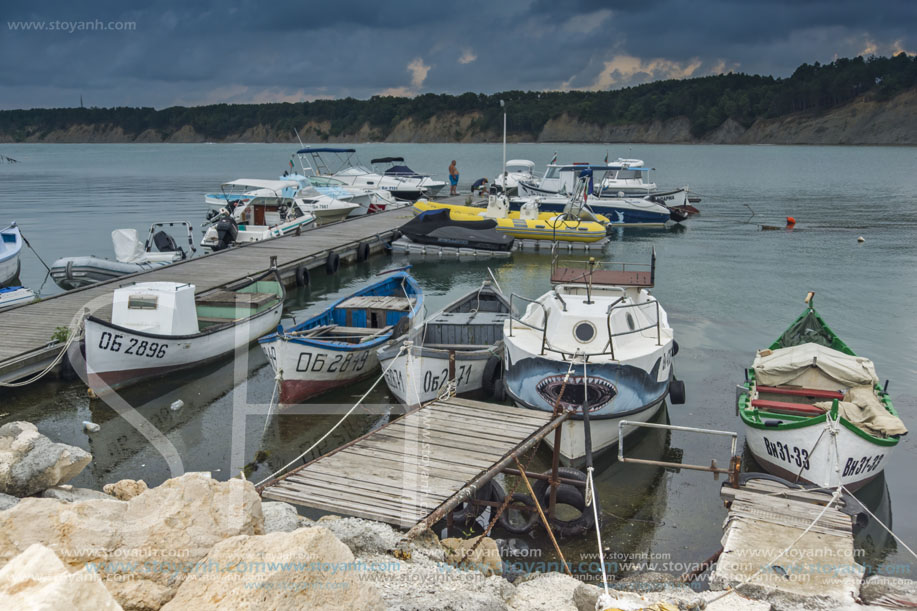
x=436 y=227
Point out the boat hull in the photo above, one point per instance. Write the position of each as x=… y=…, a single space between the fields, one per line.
x=420 y=376
x=619 y=213
x=10 y=249
x=117 y=356
x=793 y=453
x=307 y=371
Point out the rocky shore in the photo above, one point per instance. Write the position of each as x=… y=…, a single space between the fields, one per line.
x=197 y=543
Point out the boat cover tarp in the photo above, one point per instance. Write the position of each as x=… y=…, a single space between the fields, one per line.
x=862 y=408
x=128 y=248
x=776 y=367
x=400 y=170
x=807 y=330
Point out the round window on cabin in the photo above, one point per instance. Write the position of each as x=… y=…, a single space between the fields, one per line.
x=630 y=322
x=584 y=332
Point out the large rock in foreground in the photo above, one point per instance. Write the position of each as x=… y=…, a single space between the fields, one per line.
x=30 y=462
x=37 y=580
x=305 y=569
x=149 y=543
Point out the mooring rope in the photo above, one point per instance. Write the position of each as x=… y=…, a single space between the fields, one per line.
x=73 y=335
x=334 y=428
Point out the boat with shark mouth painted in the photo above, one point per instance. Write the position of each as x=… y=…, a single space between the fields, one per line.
x=597 y=341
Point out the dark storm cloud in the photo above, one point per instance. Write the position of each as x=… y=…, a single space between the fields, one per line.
x=209 y=51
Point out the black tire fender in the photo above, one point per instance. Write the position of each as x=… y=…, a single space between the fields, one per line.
x=303 y=277
x=567 y=494
x=362 y=252
x=677 y=392
x=332 y=263
x=492 y=378
x=531 y=517
x=467 y=512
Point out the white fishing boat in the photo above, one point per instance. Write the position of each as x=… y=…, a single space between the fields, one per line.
x=462 y=345
x=598 y=341
x=16 y=295
x=621 y=177
x=10 y=248
x=338 y=346
x=255 y=210
x=131 y=256
x=814 y=411
x=155 y=328
x=344 y=165
x=517 y=171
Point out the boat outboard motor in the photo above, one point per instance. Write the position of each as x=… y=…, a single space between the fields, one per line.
x=226 y=233
x=166 y=243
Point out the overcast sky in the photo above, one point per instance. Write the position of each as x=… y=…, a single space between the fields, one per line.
x=169 y=52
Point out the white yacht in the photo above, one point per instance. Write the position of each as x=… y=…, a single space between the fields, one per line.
x=517 y=171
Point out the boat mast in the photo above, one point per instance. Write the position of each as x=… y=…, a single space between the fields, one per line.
x=503 y=106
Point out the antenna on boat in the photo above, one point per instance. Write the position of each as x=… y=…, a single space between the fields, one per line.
x=591 y=264
x=503 y=106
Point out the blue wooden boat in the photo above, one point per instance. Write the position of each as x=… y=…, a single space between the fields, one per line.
x=338 y=346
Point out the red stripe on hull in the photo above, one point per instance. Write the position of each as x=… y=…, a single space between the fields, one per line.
x=297 y=391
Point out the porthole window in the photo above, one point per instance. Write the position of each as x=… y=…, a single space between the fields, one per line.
x=630 y=322
x=584 y=332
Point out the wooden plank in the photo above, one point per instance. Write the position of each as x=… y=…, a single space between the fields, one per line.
x=437 y=467
x=495 y=437
x=517 y=414
x=441 y=452
x=458 y=440
x=405 y=521
x=478 y=424
x=422 y=499
x=353 y=496
x=383 y=469
x=375 y=482
x=352 y=501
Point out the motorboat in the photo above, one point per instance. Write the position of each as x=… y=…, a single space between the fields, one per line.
x=619 y=208
x=814 y=411
x=516 y=171
x=527 y=223
x=16 y=295
x=394 y=167
x=438 y=228
x=10 y=248
x=598 y=341
x=156 y=328
x=621 y=178
x=344 y=165
x=461 y=345
x=267 y=209
x=338 y=346
x=131 y=256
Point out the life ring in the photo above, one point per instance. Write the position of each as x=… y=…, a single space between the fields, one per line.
x=466 y=512
x=567 y=494
x=303 y=277
x=677 y=392
x=529 y=517
x=492 y=378
x=332 y=263
x=362 y=252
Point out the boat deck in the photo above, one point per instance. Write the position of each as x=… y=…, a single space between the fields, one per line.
x=765 y=518
x=414 y=469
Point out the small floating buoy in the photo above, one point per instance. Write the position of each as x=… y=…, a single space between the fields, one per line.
x=91 y=427
x=790 y=221
x=92 y=394
x=861 y=239
x=177 y=405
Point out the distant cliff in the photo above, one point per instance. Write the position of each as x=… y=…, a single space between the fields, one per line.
x=849 y=101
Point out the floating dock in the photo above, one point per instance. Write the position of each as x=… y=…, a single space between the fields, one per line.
x=414 y=470
x=767 y=518
x=27 y=330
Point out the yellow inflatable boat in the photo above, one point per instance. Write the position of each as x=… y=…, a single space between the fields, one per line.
x=527 y=223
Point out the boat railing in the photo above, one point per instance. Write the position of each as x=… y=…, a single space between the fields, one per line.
x=514 y=319
x=611 y=310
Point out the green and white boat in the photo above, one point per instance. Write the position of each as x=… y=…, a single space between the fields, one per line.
x=814 y=411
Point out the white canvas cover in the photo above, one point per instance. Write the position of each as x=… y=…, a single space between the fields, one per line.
x=128 y=248
x=865 y=410
x=777 y=367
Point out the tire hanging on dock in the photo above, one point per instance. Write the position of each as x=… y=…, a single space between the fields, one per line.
x=567 y=494
x=492 y=379
x=303 y=277
x=677 y=392
x=362 y=252
x=332 y=263
x=467 y=512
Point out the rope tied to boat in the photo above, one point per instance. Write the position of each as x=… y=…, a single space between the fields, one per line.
x=334 y=428
x=73 y=334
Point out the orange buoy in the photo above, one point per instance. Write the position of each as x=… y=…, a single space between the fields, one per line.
x=790 y=221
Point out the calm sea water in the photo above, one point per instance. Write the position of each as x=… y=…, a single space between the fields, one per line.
x=730 y=288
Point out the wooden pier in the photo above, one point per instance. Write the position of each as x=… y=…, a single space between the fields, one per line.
x=413 y=471
x=26 y=331
x=766 y=518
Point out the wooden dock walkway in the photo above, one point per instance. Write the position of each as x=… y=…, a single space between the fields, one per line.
x=765 y=518
x=26 y=331
x=417 y=468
